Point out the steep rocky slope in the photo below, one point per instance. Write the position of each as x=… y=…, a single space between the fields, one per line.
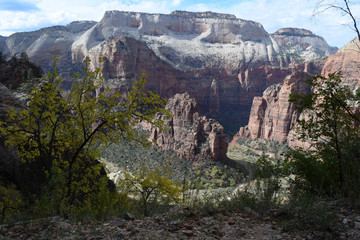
x=346 y=60
x=190 y=135
x=272 y=116
x=221 y=61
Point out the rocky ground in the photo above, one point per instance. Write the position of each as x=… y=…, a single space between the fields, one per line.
x=180 y=224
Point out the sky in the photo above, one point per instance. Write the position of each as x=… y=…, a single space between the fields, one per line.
x=29 y=15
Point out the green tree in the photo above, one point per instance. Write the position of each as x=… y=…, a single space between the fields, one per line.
x=10 y=202
x=58 y=137
x=2 y=58
x=24 y=57
x=330 y=124
x=151 y=185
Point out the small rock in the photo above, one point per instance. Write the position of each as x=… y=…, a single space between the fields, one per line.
x=345 y=221
x=231 y=223
x=188 y=233
x=343 y=236
x=240 y=233
x=55 y=219
x=119 y=222
x=129 y=216
x=279 y=237
x=357 y=225
x=189 y=227
x=133 y=229
x=64 y=225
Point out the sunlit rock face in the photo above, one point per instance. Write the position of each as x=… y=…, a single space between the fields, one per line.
x=272 y=115
x=302 y=44
x=43 y=44
x=346 y=60
x=221 y=61
x=189 y=134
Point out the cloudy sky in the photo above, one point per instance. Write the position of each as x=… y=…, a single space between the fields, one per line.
x=28 y=15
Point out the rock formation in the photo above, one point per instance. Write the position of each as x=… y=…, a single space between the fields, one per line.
x=302 y=44
x=8 y=159
x=42 y=44
x=190 y=135
x=272 y=116
x=221 y=61
x=346 y=60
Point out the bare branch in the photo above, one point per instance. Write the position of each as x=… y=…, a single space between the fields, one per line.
x=322 y=6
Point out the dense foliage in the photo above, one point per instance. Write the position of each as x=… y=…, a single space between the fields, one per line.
x=330 y=122
x=152 y=184
x=58 y=138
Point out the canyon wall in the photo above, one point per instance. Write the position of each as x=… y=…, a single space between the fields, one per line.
x=346 y=60
x=220 y=60
x=272 y=116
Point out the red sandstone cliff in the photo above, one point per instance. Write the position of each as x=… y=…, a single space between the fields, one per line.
x=272 y=116
x=190 y=135
x=346 y=60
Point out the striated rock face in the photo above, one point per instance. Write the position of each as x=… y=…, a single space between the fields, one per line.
x=346 y=60
x=42 y=44
x=185 y=40
x=302 y=44
x=221 y=61
x=190 y=135
x=272 y=115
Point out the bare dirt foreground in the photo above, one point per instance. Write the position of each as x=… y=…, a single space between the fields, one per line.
x=180 y=224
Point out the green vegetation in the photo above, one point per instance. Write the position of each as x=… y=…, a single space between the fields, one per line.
x=57 y=139
x=249 y=150
x=207 y=174
x=151 y=185
x=332 y=165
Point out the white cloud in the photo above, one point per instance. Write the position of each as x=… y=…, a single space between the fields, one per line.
x=176 y=3
x=272 y=14
x=53 y=12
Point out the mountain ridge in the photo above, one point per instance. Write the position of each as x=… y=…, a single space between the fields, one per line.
x=221 y=61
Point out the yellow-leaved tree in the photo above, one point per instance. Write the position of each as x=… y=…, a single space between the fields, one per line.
x=151 y=185
x=58 y=136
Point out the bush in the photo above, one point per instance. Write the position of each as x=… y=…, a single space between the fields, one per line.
x=151 y=185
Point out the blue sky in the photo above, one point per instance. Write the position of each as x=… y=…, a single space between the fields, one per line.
x=27 y=15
